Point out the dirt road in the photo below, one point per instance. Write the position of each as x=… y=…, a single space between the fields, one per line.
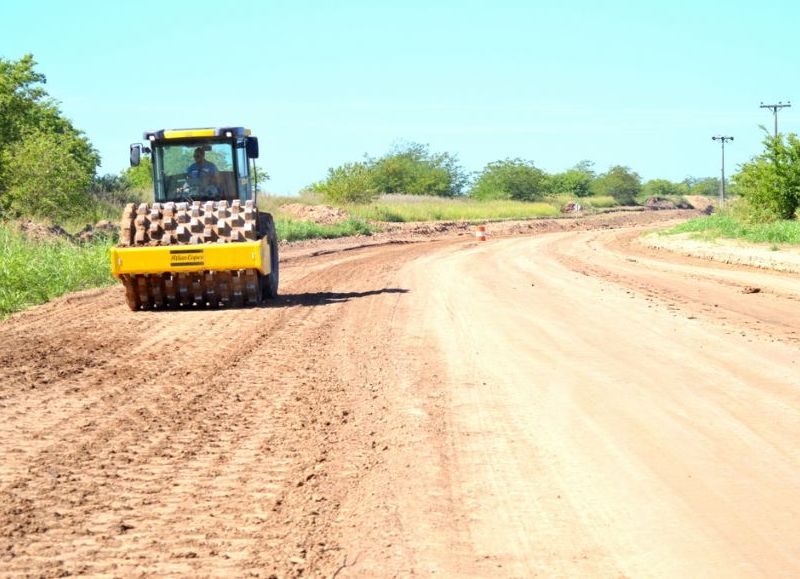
x=568 y=403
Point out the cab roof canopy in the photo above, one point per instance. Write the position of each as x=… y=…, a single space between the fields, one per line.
x=219 y=132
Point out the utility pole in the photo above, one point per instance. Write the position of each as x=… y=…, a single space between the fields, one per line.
x=775 y=109
x=722 y=141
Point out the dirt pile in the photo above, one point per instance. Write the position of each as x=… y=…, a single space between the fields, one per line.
x=41 y=232
x=659 y=203
x=427 y=228
x=102 y=228
x=322 y=214
x=701 y=203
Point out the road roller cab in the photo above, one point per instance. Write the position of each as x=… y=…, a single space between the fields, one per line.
x=210 y=164
x=203 y=241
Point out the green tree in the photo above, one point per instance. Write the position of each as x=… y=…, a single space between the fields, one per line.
x=619 y=182
x=108 y=183
x=260 y=177
x=770 y=182
x=348 y=183
x=114 y=190
x=412 y=169
x=707 y=186
x=30 y=121
x=576 y=182
x=140 y=178
x=41 y=181
x=20 y=96
x=663 y=188
x=510 y=179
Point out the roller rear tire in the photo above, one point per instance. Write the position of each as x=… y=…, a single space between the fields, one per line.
x=269 y=282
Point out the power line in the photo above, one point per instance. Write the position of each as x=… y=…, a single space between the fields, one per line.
x=722 y=141
x=775 y=108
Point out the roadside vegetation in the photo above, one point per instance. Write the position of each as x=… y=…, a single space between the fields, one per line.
x=405 y=208
x=46 y=163
x=503 y=189
x=48 y=173
x=33 y=272
x=766 y=203
x=296 y=230
x=729 y=225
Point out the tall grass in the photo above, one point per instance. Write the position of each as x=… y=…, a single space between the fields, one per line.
x=294 y=230
x=33 y=272
x=397 y=208
x=101 y=211
x=272 y=203
x=729 y=227
x=404 y=208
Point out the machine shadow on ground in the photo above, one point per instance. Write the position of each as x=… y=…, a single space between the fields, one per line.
x=284 y=301
x=325 y=298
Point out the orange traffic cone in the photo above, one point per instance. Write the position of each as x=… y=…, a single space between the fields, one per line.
x=480 y=234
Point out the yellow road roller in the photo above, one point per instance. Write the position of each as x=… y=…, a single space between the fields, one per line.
x=203 y=241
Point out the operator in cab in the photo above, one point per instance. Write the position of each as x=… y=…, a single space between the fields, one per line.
x=202 y=174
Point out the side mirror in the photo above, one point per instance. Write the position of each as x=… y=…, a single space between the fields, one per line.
x=252 y=147
x=136 y=154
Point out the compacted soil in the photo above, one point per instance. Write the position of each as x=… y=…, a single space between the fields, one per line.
x=560 y=400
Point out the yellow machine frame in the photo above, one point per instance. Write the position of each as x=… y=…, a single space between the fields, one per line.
x=191 y=258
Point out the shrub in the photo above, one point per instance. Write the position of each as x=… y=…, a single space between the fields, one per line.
x=510 y=179
x=706 y=187
x=729 y=224
x=572 y=182
x=770 y=182
x=575 y=182
x=620 y=183
x=140 y=178
x=664 y=188
x=412 y=169
x=41 y=180
x=46 y=164
x=348 y=183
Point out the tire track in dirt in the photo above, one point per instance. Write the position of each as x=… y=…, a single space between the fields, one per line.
x=498 y=409
x=201 y=447
x=693 y=286
x=555 y=420
x=131 y=443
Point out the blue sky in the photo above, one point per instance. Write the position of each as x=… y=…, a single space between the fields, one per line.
x=322 y=83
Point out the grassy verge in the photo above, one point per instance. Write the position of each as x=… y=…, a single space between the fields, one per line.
x=272 y=203
x=33 y=272
x=405 y=208
x=726 y=226
x=105 y=207
x=293 y=230
x=401 y=208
